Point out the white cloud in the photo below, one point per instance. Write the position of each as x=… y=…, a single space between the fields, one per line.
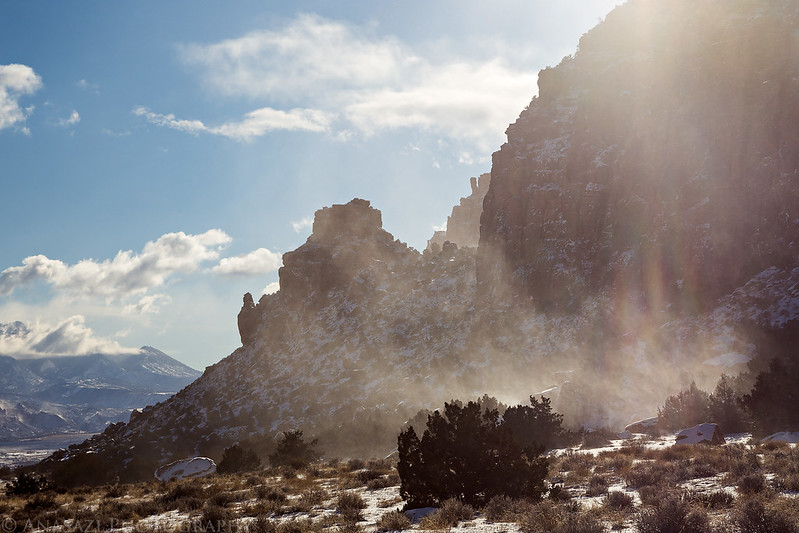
x=127 y=274
x=308 y=56
x=466 y=101
x=16 y=81
x=150 y=304
x=69 y=337
x=303 y=224
x=83 y=84
x=73 y=119
x=341 y=78
x=271 y=288
x=257 y=262
x=254 y=124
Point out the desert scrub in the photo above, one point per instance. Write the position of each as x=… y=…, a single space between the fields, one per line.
x=580 y=464
x=299 y=525
x=393 y=521
x=579 y=523
x=672 y=515
x=41 y=501
x=543 y=516
x=451 y=512
x=271 y=493
x=309 y=499
x=597 y=439
x=597 y=486
x=752 y=484
x=655 y=473
x=262 y=524
x=612 y=462
x=215 y=518
x=617 y=500
x=383 y=482
x=652 y=494
x=350 y=505
x=752 y=516
x=503 y=509
x=717 y=499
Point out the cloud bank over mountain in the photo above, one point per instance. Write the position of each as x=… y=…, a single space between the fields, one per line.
x=69 y=337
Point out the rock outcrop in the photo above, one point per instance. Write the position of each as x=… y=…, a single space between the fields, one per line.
x=463 y=225
x=345 y=239
x=248 y=320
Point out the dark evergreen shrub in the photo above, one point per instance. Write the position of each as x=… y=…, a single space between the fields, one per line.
x=774 y=397
x=27 y=483
x=293 y=451
x=238 y=459
x=469 y=455
x=725 y=408
x=686 y=409
x=537 y=425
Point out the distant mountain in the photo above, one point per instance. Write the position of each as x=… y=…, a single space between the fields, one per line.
x=81 y=393
x=639 y=232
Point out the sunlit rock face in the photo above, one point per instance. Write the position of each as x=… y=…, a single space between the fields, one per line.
x=659 y=162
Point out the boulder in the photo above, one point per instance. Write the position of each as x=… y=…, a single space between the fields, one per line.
x=701 y=434
x=642 y=426
x=186 y=469
x=783 y=436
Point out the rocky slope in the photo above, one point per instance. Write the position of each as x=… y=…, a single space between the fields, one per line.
x=638 y=233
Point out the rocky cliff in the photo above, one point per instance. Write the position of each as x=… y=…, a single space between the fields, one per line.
x=659 y=161
x=639 y=232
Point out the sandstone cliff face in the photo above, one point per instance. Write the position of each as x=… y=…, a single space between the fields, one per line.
x=660 y=161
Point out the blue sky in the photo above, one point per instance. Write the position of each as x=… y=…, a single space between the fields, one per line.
x=156 y=158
